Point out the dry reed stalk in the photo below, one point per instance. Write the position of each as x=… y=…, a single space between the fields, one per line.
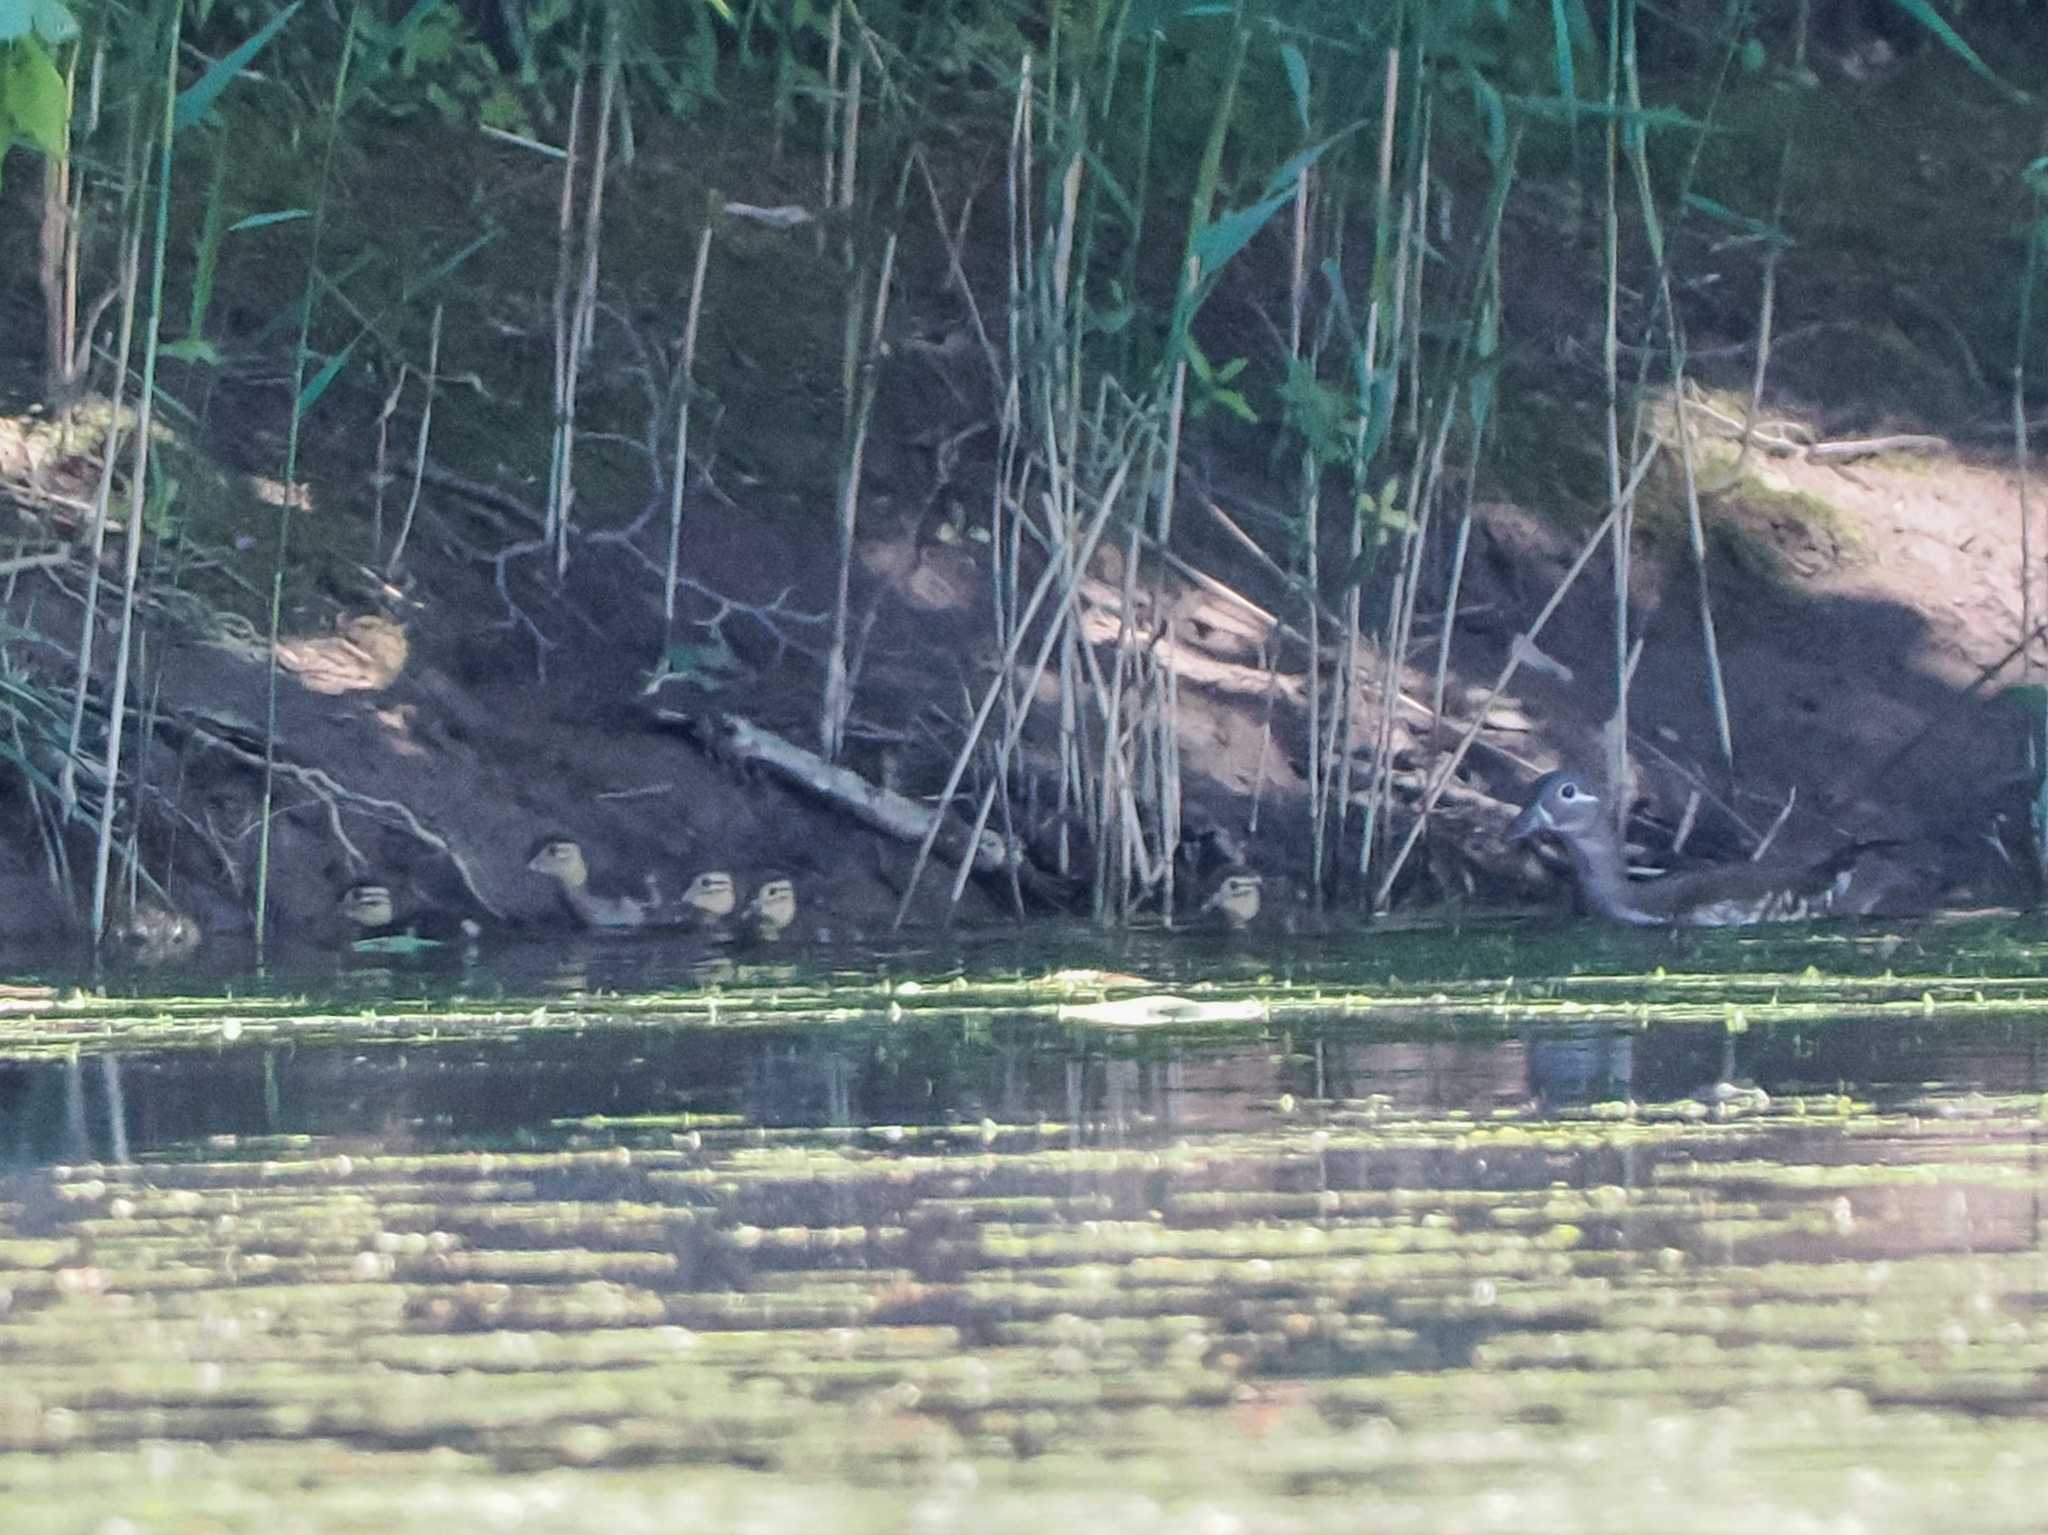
x=1777 y=825
x=1312 y=591
x=955 y=241
x=849 y=144
x=1696 y=540
x=1610 y=374
x=686 y=390
x=1269 y=658
x=1170 y=778
x=583 y=318
x=419 y=450
x=56 y=261
x=1441 y=778
x=1452 y=590
x=88 y=629
x=1040 y=590
x=1310 y=502
x=131 y=563
x=1408 y=317
x=300 y=351
x=1176 y=412
x=1766 y=316
x=560 y=480
x=829 y=159
x=1383 y=191
x=838 y=696
x=380 y=474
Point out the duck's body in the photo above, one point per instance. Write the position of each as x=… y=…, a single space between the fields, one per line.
x=772 y=909
x=705 y=906
x=1237 y=899
x=370 y=918
x=561 y=859
x=1849 y=882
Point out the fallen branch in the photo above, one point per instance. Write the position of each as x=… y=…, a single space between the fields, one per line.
x=333 y=794
x=741 y=743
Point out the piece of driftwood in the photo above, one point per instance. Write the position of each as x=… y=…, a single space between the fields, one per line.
x=741 y=743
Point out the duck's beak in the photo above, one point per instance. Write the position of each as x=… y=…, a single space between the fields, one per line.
x=1535 y=817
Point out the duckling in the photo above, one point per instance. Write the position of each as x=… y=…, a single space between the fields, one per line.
x=772 y=909
x=1237 y=898
x=370 y=919
x=561 y=859
x=707 y=902
x=366 y=908
x=150 y=934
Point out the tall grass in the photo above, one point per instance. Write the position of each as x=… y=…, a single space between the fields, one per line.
x=305 y=394
x=1172 y=178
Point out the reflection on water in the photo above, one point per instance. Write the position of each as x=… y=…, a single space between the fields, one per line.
x=954 y=1273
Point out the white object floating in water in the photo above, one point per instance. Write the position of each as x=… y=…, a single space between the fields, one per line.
x=1162 y=1007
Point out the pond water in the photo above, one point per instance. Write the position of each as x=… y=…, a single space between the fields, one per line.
x=1502 y=1229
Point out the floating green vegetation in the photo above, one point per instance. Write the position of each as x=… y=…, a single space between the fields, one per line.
x=1496 y=979
x=1332 y=1311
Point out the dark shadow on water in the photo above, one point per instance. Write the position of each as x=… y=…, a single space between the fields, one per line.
x=552 y=1089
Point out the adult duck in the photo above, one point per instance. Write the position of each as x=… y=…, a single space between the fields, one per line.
x=1855 y=880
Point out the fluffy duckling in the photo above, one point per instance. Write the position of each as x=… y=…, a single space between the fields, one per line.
x=370 y=918
x=365 y=908
x=1236 y=898
x=772 y=909
x=561 y=859
x=707 y=901
x=150 y=934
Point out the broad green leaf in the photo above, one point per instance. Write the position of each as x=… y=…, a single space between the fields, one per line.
x=310 y=395
x=1491 y=113
x=1297 y=80
x=1755 y=229
x=1237 y=405
x=265 y=220
x=198 y=98
x=32 y=97
x=14 y=20
x=1107 y=183
x=1929 y=18
x=1223 y=238
x=191 y=349
x=1644 y=118
x=1561 y=47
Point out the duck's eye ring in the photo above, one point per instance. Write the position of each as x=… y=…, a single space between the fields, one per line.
x=1567 y=790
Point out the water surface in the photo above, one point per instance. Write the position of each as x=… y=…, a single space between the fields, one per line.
x=1493 y=1230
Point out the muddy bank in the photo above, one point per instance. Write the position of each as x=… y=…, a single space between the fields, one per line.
x=429 y=734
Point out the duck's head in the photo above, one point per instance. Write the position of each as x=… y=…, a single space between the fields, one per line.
x=1237 y=897
x=1561 y=805
x=367 y=905
x=712 y=893
x=153 y=934
x=773 y=907
x=559 y=858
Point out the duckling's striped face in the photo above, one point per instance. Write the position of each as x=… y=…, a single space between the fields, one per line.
x=774 y=905
x=154 y=933
x=712 y=893
x=367 y=905
x=562 y=859
x=1561 y=805
x=1238 y=897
